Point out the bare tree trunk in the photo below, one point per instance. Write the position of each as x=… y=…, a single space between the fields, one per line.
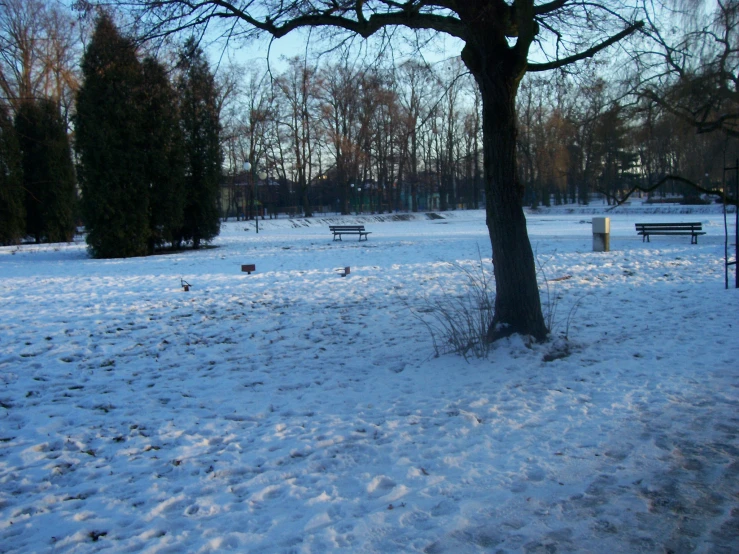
x=517 y=301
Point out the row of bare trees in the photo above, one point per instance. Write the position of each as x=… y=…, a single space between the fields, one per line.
x=585 y=137
x=344 y=137
x=409 y=136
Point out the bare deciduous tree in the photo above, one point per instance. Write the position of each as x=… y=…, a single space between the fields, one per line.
x=498 y=37
x=694 y=74
x=687 y=79
x=38 y=52
x=416 y=100
x=340 y=108
x=298 y=91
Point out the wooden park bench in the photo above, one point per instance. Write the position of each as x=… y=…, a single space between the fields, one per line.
x=692 y=229
x=339 y=230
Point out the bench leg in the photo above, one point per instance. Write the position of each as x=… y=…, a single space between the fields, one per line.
x=693 y=239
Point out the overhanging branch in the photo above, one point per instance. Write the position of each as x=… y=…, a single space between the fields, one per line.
x=549 y=7
x=666 y=179
x=589 y=53
x=351 y=19
x=725 y=123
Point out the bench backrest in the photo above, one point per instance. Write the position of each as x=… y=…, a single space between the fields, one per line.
x=669 y=226
x=346 y=227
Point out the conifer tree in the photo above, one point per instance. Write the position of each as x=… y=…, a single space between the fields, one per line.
x=165 y=162
x=201 y=127
x=111 y=146
x=12 y=210
x=48 y=171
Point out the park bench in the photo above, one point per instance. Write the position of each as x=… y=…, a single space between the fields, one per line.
x=339 y=230
x=692 y=229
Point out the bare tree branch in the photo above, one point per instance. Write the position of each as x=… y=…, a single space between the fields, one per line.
x=589 y=53
x=349 y=16
x=694 y=75
x=667 y=179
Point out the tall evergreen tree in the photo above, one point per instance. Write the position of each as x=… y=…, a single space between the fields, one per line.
x=12 y=210
x=165 y=161
x=48 y=171
x=111 y=146
x=201 y=127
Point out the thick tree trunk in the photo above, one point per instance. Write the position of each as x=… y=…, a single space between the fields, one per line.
x=517 y=301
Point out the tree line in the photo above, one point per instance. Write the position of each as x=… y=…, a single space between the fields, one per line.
x=329 y=133
x=408 y=137
x=349 y=136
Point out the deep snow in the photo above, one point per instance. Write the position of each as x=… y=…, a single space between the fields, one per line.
x=295 y=410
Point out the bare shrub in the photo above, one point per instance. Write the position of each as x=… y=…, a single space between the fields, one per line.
x=557 y=326
x=459 y=321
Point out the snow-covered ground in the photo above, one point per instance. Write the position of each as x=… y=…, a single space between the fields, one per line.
x=295 y=410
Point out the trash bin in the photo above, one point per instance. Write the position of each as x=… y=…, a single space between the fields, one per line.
x=601 y=234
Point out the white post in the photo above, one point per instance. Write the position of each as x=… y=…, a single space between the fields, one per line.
x=601 y=234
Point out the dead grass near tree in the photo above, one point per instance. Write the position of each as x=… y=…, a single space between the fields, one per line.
x=458 y=321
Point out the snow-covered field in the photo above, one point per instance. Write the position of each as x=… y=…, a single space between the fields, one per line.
x=295 y=410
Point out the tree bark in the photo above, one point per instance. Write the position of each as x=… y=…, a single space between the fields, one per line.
x=517 y=301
